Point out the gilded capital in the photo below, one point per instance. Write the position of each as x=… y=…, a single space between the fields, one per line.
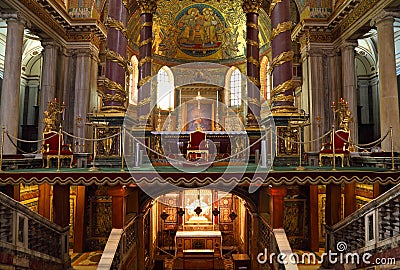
x=251 y=6
x=147 y=6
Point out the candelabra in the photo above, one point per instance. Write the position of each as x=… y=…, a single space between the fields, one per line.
x=51 y=115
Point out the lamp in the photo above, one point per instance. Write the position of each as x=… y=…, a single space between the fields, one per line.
x=164 y=215
x=198 y=210
x=181 y=212
x=215 y=212
x=233 y=216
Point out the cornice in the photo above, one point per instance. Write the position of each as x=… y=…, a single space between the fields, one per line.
x=49 y=14
x=345 y=20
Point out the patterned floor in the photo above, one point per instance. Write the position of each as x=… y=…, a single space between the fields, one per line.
x=169 y=264
x=85 y=261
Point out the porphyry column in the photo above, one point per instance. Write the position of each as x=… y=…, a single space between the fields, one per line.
x=250 y=7
x=113 y=93
x=147 y=8
x=282 y=96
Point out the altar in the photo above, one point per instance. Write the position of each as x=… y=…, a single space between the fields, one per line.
x=198 y=243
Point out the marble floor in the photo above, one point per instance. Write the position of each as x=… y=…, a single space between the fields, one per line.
x=85 y=261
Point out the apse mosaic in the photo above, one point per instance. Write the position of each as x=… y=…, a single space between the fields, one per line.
x=199 y=30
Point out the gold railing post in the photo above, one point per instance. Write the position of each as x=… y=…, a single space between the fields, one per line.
x=272 y=149
x=333 y=148
x=122 y=149
x=392 y=146
x=2 y=148
x=94 y=168
x=59 y=148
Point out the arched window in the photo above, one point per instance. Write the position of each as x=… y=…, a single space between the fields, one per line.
x=265 y=78
x=133 y=79
x=165 y=89
x=236 y=88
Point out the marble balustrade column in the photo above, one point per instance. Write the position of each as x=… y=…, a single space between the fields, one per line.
x=349 y=85
x=113 y=92
x=282 y=95
x=147 y=9
x=389 y=97
x=12 y=75
x=82 y=90
x=251 y=7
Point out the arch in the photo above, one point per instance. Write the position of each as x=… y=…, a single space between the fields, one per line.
x=241 y=192
x=133 y=80
x=165 y=88
x=265 y=78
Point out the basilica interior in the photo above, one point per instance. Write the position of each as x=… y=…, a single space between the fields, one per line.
x=199 y=134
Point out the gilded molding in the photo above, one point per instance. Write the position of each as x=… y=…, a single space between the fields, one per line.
x=280 y=28
x=114 y=86
x=146 y=24
x=278 y=98
x=255 y=81
x=144 y=60
x=252 y=43
x=117 y=58
x=113 y=97
x=113 y=23
x=281 y=88
x=254 y=101
x=253 y=61
x=272 y=6
x=144 y=102
x=281 y=59
x=145 y=42
x=252 y=25
x=144 y=81
x=283 y=109
x=251 y=6
x=147 y=6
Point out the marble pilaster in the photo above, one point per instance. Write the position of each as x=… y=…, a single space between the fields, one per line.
x=11 y=80
x=69 y=93
x=389 y=97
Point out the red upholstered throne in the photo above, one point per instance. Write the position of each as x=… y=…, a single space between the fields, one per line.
x=198 y=146
x=51 y=147
x=341 y=138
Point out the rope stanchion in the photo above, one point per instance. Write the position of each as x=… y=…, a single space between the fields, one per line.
x=333 y=148
x=2 y=149
x=392 y=147
x=94 y=168
x=19 y=149
x=59 y=149
x=95 y=139
x=122 y=149
x=28 y=141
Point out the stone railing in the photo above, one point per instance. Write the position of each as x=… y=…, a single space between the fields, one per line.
x=27 y=238
x=271 y=243
x=373 y=229
x=120 y=251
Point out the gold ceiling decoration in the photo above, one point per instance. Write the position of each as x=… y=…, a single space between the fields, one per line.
x=206 y=30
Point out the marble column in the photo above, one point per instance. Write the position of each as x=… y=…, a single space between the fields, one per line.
x=49 y=80
x=147 y=9
x=12 y=76
x=82 y=90
x=389 y=97
x=69 y=92
x=250 y=7
x=113 y=93
x=333 y=204
x=282 y=95
x=313 y=96
x=61 y=205
x=349 y=84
